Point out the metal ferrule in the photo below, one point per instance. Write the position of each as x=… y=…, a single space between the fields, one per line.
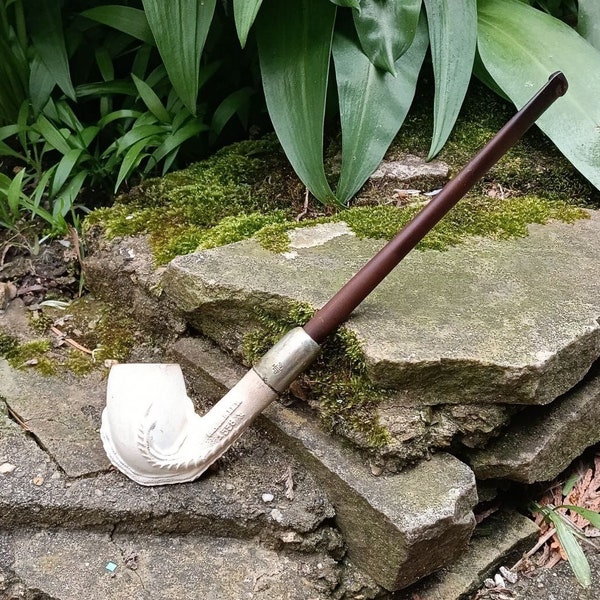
x=287 y=359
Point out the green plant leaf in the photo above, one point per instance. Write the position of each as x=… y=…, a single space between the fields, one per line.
x=41 y=84
x=174 y=141
x=180 y=28
x=151 y=100
x=14 y=192
x=142 y=132
x=51 y=134
x=46 y=29
x=127 y=19
x=590 y=515
x=236 y=102
x=347 y=3
x=294 y=46
x=373 y=105
x=64 y=169
x=453 y=38
x=588 y=21
x=64 y=202
x=245 y=12
x=574 y=552
x=386 y=29
x=131 y=160
x=118 y=87
x=520 y=47
x=118 y=114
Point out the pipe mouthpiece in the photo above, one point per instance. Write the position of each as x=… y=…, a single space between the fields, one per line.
x=561 y=85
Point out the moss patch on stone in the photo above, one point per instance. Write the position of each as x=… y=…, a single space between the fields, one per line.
x=248 y=190
x=31 y=354
x=237 y=191
x=337 y=384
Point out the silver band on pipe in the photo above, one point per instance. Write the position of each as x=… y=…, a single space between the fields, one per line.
x=287 y=359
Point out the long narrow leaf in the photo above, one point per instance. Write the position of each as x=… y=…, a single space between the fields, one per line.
x=590 y=515
x=14 y=192
x=294 y=45
x=151 y=100
x=373 y=105
x=45 y=26
x=453 y=37
x=386 y=29
x=131 y=160
x=51 y=134
x=520 y=47
x=189 y=130
x=64 y=169
x=588 y=21
x=574 y=552
x=127 y=19
x=245 y=12
x=41 y=84
x=180 y=28
x=234 y=103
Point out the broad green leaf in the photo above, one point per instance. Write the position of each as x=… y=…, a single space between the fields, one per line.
x=588 y=21
x=386 y=29
x=590 y=515
x=51 y=134
x=174 y=141
x=373 y=105
x=131 y=21
x=14 y=192
x=118 y=114
x=64 y=169
x=453 y=38
x=125 y=88
x=245 y=12
x=574 y=552
x=520 y=47
x=236 y=102
x=151 y=100
x=105 y=64
x=41 y=84
x=294 y=47
x=46 y=29
x=64 y=203
x=131 y=160
x=143 y=132
x=180 y=28
x=347 y=3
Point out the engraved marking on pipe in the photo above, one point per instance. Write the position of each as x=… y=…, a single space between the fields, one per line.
x=230 y=410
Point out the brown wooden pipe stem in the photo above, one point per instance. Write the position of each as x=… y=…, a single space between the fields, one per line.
x=339 y=308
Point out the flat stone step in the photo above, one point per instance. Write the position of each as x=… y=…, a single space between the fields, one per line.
x=72 y=565
x=397 y=528
x=501 y=541
x=486 y=322
x=542 y=441
x=228 y=501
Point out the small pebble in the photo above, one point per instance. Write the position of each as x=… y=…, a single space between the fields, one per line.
x=229 y=486
x=509 y=575
x=276 y=515
x=37 y=480
x=268 y=497
x=489 y=583
x=7 y=468
x=98 y=492
x=499 y=581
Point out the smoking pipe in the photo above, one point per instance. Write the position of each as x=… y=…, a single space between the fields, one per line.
x=150 y=430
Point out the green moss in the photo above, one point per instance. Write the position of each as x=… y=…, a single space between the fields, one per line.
x=179 y=210
x=30 y=354
x=343 y=394
x=115 y=337
x=80 y=363
x=533 y=166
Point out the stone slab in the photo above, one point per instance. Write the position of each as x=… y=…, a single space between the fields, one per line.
x=225 y=502
x=499 y=541
x=397 y=528
x=63 y=414
x=511 y=321
x=72 y=565
x=542 y=441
